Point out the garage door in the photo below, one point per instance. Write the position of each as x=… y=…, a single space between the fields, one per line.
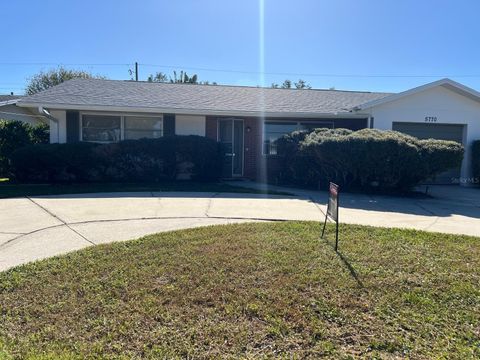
x=434 y=131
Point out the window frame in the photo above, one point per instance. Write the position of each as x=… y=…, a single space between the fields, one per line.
x=122 y=123
x=298 y=126
x=138 y=129
x=97 y=114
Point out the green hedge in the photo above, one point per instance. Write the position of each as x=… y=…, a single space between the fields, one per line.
x=476 y=161
x=166 y=158
x=16 y=134
x=365 y=159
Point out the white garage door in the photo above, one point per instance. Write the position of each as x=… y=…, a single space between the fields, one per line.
x=435 y=131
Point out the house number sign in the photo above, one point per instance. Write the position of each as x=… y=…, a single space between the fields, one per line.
x=430 y=119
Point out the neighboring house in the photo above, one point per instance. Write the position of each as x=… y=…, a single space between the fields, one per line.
x=249 y=119
x=9 y=111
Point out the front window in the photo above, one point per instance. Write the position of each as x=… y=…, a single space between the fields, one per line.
x=101 y=128
x=140 y=127
x=113 y=128
x=274 y=130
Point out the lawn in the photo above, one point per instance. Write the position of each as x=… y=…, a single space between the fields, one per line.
x=8 y=190
x=250 y=291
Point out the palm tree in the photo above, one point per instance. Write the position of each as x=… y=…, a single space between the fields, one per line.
x=184 y=78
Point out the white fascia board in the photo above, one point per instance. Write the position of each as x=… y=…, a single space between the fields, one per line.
x=447 y=83
x=8 y=102
x=128 y=109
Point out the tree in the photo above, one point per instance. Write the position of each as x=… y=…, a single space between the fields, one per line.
x=208 y=83
x=183 y=78
x=158 y=77
x=301 y=84
x=44 y=80
x=287 y=84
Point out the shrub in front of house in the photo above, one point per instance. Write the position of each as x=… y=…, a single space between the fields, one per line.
x=476 y=162
x=167 y=158
x=39 y=134
x=16 y=134
x=367 y=159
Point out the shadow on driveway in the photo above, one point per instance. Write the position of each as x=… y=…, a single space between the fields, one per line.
x=442 y=200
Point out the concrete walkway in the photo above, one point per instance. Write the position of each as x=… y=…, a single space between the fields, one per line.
x=43 y=226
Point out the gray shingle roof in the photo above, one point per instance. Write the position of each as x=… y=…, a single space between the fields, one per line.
x=208 y=98
x=4 y=98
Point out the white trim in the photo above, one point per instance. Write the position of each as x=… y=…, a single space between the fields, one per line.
x=180 y=111
x=447 y=83
x=9 y=102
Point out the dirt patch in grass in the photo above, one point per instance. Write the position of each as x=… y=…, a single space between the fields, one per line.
x=249 y=291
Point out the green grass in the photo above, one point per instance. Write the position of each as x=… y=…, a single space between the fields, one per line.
x=250 y=291
x=8 y=190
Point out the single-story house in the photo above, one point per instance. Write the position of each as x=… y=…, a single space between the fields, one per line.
x=249 y=119
x=8 y=111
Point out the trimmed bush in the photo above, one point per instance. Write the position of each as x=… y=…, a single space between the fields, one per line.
x=476 y=161
x=16 y=134
x=39 y=134
x=367 y=159
x=167 y=158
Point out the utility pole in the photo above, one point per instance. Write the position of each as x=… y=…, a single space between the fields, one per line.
x=136 y=71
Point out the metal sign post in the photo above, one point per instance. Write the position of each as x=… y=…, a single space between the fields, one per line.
x=332 y=210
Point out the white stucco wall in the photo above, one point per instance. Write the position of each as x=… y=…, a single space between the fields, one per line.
x=446 y=105
x=58 y=132
x=190 y=125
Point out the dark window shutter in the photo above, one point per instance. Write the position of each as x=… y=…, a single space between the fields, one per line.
x=73 y=126
x=168 y=124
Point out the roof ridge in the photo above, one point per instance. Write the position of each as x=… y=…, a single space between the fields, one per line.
x=231 y=86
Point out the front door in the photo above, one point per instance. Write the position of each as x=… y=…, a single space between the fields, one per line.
x=230 y=134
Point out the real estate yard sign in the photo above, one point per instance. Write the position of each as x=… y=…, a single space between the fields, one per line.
x=332 y=210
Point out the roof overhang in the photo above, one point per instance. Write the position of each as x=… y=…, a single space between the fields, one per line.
x=183 y=111
x=446 y=83
x=9 y=102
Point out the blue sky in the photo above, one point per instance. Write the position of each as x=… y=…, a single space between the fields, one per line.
x=375 y=45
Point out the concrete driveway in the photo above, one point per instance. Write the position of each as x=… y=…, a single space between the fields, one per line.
x=43 y=226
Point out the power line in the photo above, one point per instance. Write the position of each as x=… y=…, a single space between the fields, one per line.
x=305 y=74
x=60 y=64
x=235 y=71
